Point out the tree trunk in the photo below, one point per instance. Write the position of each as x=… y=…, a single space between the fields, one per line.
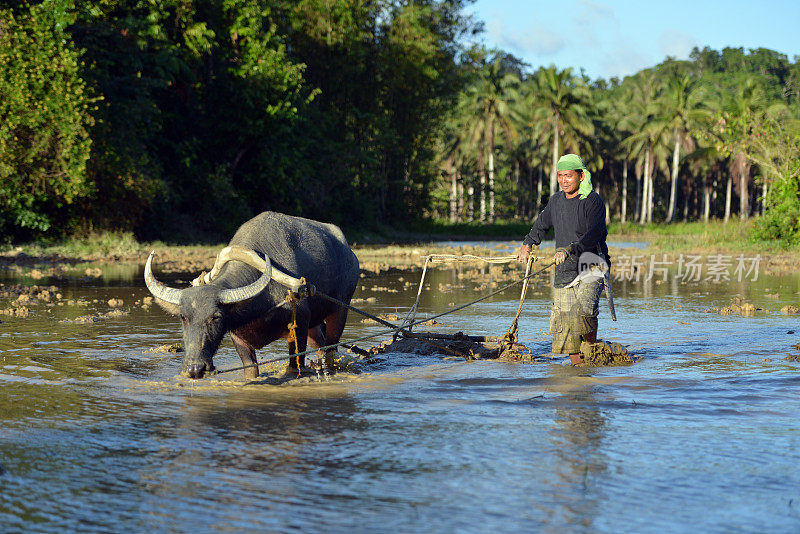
x=744 y=194
x=638 y=211
x=728 y=189
x=673 y=188
x=518 y=189
x=607 y=203
x=554 y=171
x=646 y=187
x=460 y=208
x=706 y=199
x=539 y=191
x=453 y=193
x=491 y=172
x=650 y=189
x=471 y=203
x=482 y=188
x=714 y=187
x=624 y=214
x=686 y=206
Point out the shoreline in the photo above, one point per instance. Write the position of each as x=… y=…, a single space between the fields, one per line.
x=186 y=259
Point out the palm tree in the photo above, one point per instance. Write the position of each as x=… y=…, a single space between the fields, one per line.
x=683 y=108
x=490 y=103
x=564 y=101
x=749 y=99
x=647 y=131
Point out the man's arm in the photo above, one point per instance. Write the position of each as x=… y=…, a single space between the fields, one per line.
x=540 y=227
x=596 y=222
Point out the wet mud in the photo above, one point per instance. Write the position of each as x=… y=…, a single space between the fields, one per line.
x=170 y=348
x=601 y=354
x=24 y=299
x=604 y=354
x=97 y=317
x=738 y=306
x=741 y=306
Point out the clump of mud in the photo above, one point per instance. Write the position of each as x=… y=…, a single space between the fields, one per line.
x=794 y=357
x=602 y=354
x=171 y=348
x=384 y=316
x=501 y=349
x=458 y=346
x=27 y=296
x=739 y=306
x=91 y=319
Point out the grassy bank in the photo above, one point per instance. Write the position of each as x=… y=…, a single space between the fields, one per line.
x=415 y=239
x=713 y=236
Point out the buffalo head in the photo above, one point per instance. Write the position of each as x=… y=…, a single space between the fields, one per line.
x=203 y=311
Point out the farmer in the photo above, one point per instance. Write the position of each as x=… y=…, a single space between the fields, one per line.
x=577 y=215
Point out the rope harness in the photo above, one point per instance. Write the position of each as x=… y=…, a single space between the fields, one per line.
x=292 y=327
x=408 y=323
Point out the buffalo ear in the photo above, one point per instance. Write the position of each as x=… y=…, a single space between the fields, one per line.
x=172 y=309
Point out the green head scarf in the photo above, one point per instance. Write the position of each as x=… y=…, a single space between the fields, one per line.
x=573 y=162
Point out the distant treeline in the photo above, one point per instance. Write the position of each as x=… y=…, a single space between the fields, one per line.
x=685 y=140
x=179 y=120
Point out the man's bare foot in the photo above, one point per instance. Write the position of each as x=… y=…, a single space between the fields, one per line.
x=576 y=358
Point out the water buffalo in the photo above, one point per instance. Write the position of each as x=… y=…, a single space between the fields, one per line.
x=241 y=299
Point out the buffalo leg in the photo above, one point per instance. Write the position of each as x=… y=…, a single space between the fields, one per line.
x=316 y=337
x=247 y=354
x=334 y=325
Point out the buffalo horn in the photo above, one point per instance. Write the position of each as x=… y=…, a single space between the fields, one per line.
x=159 y=290
x=238 y=294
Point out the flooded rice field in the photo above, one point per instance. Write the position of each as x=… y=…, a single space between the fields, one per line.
x=100 y=433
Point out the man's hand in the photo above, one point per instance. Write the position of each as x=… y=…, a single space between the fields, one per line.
x=563 y=253
x=523 y=252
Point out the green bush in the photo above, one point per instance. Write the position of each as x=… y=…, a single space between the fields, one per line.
x=781 y=221
x=44 y=115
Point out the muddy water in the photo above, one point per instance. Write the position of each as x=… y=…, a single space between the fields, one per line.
x=97 y=434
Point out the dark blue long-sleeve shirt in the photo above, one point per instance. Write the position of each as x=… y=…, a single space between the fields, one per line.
x=582 y=222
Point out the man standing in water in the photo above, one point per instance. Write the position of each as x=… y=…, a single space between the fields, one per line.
x=577 y=215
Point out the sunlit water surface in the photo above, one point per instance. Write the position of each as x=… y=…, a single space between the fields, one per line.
x=702 y=435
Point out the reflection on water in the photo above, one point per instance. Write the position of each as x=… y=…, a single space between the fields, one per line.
x=96 y=434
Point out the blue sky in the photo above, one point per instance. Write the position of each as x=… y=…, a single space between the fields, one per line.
x=620 y=37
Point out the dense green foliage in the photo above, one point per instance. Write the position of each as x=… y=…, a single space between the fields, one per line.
x=44 y=116
x=208 y=112
x=180 y=119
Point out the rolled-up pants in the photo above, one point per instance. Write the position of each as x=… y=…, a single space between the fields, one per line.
x=574 y=314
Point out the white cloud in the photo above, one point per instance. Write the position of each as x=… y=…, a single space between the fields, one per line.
x=592 y=12
x=623 y=60
x=536 y=39
x=676 y=44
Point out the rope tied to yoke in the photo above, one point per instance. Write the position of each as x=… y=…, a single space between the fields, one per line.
x=405 y=327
